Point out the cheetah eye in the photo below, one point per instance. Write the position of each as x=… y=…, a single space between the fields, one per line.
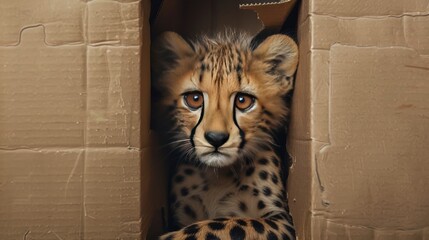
x=194 y=100
x=244 y=101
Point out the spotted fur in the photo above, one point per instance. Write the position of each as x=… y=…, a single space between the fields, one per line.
x=234 y=190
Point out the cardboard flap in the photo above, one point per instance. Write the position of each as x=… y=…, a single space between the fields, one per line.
x=192 y=17
x=272 y=13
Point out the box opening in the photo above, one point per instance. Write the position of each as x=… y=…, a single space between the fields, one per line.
x=191 y=18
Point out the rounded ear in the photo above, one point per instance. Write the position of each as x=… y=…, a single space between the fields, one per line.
x=167 y=52
x=278 y=55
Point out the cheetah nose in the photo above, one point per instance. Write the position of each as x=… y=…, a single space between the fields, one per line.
x=216 y=139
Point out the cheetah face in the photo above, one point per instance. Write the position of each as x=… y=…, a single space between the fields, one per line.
x=223 y=98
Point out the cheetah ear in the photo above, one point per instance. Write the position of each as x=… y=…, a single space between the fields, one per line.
x=168 y=51
x=277 y=56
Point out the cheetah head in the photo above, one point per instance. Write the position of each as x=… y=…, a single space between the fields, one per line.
x=222 y=96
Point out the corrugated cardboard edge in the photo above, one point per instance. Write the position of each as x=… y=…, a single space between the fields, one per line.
x=153 y=201
x=300 y=180
x=271 y=14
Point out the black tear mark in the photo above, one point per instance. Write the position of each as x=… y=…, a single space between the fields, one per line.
x=194 y=129
x=241 y=132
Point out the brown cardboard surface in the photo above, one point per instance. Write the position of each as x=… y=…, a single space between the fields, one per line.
x=41 y=200
x=112 y=194
x=71 y=134
x=368 y=8
x=360 y=121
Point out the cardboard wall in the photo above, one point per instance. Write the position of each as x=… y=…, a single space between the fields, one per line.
x=359 y=130
x=71 y=133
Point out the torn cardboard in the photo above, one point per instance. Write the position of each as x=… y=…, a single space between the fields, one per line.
x=358 y=135
x=272 y=13
x=71 y=130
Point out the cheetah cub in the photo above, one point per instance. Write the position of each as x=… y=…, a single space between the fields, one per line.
x=222 y=99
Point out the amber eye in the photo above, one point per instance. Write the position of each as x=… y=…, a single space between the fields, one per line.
x=194 y=100
x=244 y=101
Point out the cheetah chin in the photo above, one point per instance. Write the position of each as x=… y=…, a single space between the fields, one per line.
x=217 y=159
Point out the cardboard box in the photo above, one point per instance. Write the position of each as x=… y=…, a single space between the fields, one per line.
x=73 y=119
x=75 y=155
x=360 y=121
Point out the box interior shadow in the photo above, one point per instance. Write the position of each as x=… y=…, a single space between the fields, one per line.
x=191 y=18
